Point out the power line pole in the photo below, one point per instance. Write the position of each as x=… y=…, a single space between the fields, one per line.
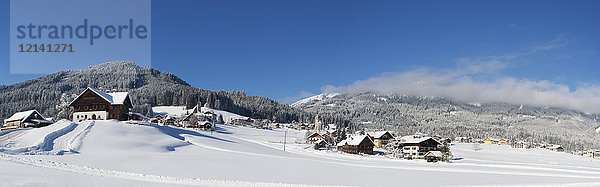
x=284 y=139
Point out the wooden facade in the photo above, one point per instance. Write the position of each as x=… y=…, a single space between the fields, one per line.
x=31 y=118
x=357 y=145
x=96 y=105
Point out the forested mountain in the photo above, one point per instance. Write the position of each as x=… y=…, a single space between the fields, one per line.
x=148 y=87
x=443 y=116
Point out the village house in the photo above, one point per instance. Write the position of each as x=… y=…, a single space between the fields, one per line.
x=415 y=147
x=489 y=140
x=174 y=115
x=433 y=156
x=554 y=147
x=320 y=144
x=360 y=144
x=332 y=130
x=381 y=138
x=30 y=118
x=314 y=137
x=93 y=104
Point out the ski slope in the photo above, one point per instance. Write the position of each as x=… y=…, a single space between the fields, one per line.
x=101 y=153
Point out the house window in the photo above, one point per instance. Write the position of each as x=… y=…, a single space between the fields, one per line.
x=101 y=107
x=85 y=107
x=95 y=107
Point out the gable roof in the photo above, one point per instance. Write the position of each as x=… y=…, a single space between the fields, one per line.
x=356 y=140
x=434 y=153
x=115 y=98
x=379 y=134
x=21 y=116
x=412 y=140
x=315 y=134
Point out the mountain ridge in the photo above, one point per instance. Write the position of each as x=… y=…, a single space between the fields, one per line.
x=148 y=87
x=407 y=114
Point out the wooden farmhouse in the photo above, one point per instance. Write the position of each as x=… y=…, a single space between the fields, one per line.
x=381 y=138
x=489 y=140
x=357 y=144
x=93 y=104
x=320 y=144
x=314 y=137
x=30 y=118
x=554 y=147
x=433 y=156
x=416 y=148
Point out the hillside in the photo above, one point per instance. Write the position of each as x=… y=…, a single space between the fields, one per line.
x=443 y=116
x=148 y=87
x=100 y=153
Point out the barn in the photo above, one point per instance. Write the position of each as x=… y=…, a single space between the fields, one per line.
x=30 y=118
x=93 y=104
x=357 y=144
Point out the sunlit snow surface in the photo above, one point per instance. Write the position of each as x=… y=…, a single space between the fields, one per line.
x=109 y=153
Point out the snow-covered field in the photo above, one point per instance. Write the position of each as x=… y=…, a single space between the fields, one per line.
x=111 y=153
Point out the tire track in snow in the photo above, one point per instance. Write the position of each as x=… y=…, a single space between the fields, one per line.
x=45 y=146
x=73 y=145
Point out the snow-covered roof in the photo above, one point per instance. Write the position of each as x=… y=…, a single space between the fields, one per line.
x=20 y=116
x=379 y=134
x=496 y=139
x=355 y=140
x=413 y=140
x=321 y=140
x=114 y=98
x=435 y=153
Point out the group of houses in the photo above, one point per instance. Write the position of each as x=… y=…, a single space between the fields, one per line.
x=93 y=104
x=181 y=116
x=418 y=146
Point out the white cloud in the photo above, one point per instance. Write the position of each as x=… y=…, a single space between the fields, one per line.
x=464 y=83
x=426 y=82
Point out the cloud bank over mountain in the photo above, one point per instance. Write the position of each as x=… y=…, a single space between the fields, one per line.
x=466 y=84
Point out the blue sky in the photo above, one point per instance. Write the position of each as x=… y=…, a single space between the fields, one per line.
x=288 y=49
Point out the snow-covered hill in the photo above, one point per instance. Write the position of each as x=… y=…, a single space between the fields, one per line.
x=314 y=98
x=573 y=130
x=101 y=153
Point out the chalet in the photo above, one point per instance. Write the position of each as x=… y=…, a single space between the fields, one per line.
x=381 y=138
x=503 y=141
x=320 y=144
x=414 y=148
x=93 y=104
x=158 y=119
x=314 y=137
x=357 y=144
x=190 y=121
x=30 y=118
x=489 y=140
x=433 y=156
x=555 y=148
